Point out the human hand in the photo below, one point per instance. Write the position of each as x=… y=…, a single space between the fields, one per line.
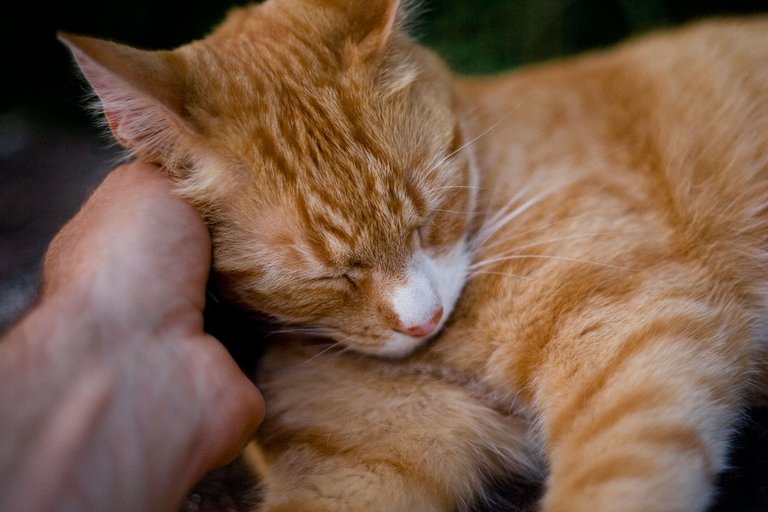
x=127 y=401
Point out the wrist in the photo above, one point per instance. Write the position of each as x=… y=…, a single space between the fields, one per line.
x=52 y=392
x=111 y=313
x=89 y=403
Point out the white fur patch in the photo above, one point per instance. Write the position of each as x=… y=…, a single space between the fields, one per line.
x=431 y=283
x=398 y=345
x=416 y=301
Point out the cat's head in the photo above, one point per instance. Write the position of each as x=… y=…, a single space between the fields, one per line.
x=323 y=149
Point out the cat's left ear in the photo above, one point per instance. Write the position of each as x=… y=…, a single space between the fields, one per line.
x=374 y=22
x=388 y=15
x=142 y=94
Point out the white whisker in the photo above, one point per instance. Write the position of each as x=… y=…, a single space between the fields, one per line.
x=435 y=166
x=306 y=331
x=472 y=141
x=460 y=212
x=503 y=217
x=518 y=234
x=505 y=274
x=324 y=351
x=467 y=187
x=338 y=353
x=509 y=212
x=494 y=219
x=545 y=242
x=491 y=261
x=338 y=344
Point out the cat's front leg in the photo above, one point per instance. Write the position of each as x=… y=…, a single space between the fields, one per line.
x=345 y=433
x=338 y=484
x=637 y=413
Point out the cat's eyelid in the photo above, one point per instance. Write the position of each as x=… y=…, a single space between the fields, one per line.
x=357 y=264
x=351 y=280
x=334 y=279
x=325 y=277
x=355 y=271
x=351 y=274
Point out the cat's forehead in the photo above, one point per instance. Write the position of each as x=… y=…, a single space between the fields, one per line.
x=361 y=218
x=273 y=99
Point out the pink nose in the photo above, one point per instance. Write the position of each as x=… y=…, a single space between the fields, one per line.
x=425 y=329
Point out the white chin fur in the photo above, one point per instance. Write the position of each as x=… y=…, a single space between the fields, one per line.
x=398 y=345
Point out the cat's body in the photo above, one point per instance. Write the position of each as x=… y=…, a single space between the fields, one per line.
x=612 y=324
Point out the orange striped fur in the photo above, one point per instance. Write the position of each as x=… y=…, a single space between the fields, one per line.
x=572 y=257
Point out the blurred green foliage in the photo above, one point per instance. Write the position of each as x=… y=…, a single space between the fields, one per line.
x=483 y=36
x=475 y=36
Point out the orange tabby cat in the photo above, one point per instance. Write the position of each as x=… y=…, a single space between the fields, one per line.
x=603 y=221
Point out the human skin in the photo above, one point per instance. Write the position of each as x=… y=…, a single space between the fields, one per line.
x=112 y=397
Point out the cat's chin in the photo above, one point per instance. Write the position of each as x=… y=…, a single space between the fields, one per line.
x=396 y=347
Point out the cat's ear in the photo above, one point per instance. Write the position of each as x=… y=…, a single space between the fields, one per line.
x=373 y=22
x=386 y=19
x=141 y=93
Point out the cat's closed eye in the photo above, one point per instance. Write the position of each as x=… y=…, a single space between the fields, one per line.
x=343 y=282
